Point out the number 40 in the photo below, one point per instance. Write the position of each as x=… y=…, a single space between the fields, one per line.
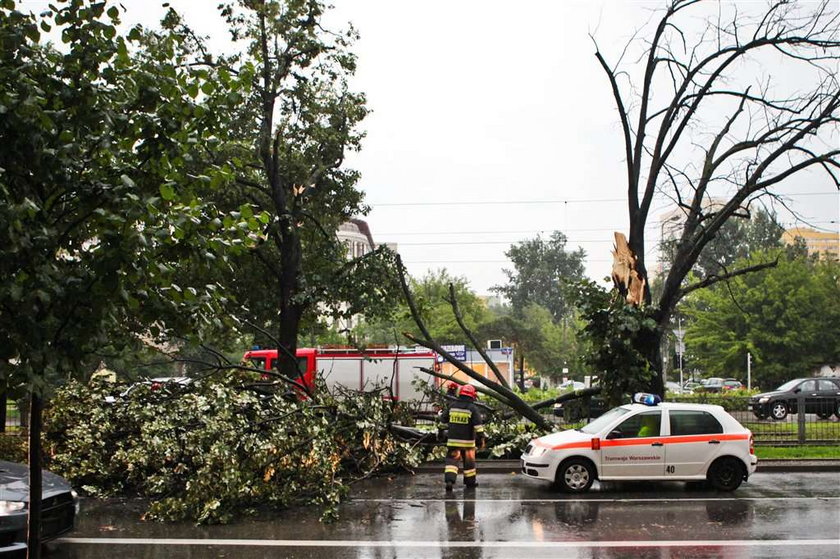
x=670 y=469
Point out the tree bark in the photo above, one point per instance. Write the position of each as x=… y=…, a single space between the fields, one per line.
x=33 y=535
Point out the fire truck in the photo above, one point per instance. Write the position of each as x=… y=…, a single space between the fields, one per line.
x=394 y=366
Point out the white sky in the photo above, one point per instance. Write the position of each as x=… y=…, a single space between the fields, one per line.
x=492 y=121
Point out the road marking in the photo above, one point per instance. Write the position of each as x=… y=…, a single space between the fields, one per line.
x=615 y=500
x=444 y=544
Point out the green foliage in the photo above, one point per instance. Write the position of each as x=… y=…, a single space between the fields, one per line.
x=13 y=448
x=785 y=316
x=541 y=267
x=214 y=451
x=618 y=337
x=431 y=294
x=101 y=200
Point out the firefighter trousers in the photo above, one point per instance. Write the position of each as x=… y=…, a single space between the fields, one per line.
x=454 y=457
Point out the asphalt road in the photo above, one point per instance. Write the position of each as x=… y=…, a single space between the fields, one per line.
x=507 y=516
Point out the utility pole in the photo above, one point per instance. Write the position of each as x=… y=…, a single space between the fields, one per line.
x=680 y=347
x=749 y=372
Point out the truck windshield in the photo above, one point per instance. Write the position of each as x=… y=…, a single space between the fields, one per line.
x=598 y=425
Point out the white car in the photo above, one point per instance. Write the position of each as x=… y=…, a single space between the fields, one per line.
x=659 y=441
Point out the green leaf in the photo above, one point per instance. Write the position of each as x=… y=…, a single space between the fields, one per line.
x=167 y=192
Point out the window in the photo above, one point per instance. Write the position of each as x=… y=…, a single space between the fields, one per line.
x=258 y=363
x=645 y=424
x=808 y=386
x=828 y=386
x=694 y=423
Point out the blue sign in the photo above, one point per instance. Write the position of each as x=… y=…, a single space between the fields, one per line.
x=459 y=352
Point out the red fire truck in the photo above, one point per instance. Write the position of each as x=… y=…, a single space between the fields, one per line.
x=394 y=366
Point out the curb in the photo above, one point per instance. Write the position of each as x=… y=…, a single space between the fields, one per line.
x=764 y=466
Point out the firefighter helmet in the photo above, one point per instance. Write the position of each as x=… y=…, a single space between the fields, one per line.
x=469 y=391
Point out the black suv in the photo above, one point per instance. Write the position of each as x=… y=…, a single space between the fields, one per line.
x=822 y=397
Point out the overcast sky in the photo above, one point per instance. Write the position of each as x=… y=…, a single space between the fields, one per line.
x=493 y=122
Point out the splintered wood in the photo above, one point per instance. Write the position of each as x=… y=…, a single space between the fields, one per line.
x=627 y=280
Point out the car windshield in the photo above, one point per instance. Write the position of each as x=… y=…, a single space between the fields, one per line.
x=599 y=424
x=789 y=385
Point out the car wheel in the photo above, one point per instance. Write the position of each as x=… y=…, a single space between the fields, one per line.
x=575 y=475
x=778 y=410
x=726 y=474
x=759 y=415
x=837 y=410
x=823 y=414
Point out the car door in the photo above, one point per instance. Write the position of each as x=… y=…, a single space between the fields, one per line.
x=634 y=448
x=828 y=393
x=692 y=442
x=808 y=391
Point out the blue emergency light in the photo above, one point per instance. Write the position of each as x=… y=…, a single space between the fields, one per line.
x=646 y=399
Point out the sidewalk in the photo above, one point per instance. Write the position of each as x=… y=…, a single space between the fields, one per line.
x=513 y=466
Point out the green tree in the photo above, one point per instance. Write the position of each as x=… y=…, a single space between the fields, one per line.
x=737 y=239
x=541 y=266
x=786 y=317
x=98 y=207
x=431 y=294
x=289 y=143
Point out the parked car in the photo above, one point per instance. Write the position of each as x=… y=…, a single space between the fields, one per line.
x=573 y=411
x=717 y=384
x=690 y=386
x=59 y=503
x=822 y=397
x=655 y=441
x=676 y=388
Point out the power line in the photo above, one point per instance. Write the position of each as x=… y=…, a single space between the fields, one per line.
x=529 y=202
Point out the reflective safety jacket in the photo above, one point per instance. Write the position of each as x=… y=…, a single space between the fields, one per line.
x=465 y=424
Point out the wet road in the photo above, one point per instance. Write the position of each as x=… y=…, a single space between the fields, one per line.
x=774 y=515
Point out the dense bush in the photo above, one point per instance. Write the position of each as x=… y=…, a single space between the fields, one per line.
x=13 y=447
x=214 y=450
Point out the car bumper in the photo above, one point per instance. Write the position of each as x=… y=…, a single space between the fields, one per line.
x=753 y=464
x=537 y=468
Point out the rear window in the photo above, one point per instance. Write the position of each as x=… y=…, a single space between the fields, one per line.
x=694 y=423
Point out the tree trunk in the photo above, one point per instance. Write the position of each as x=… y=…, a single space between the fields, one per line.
x=650 y=345
x=33 y=536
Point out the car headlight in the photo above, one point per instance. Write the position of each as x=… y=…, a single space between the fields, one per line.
x=763 y=400
x=8 y=507
x=538 y=451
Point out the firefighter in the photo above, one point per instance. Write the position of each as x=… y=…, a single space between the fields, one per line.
x=465 y=429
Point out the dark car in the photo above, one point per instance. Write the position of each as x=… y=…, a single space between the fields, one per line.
x=573 y=411
x=716 y=384
x=58 y=512
x=821 y=395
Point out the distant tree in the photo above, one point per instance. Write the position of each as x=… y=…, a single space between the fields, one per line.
x=705 y=121
x=736 y=240
x=541 y=266
x=786 y=317
x=431 y=294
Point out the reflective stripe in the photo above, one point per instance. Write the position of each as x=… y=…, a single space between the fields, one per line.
x=451 y=470
x=479 y=428
x=644 y=441
x=460 y=443
x=469 y=473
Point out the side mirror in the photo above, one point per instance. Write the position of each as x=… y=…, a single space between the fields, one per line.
x=797 y=390
x=615 y=434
